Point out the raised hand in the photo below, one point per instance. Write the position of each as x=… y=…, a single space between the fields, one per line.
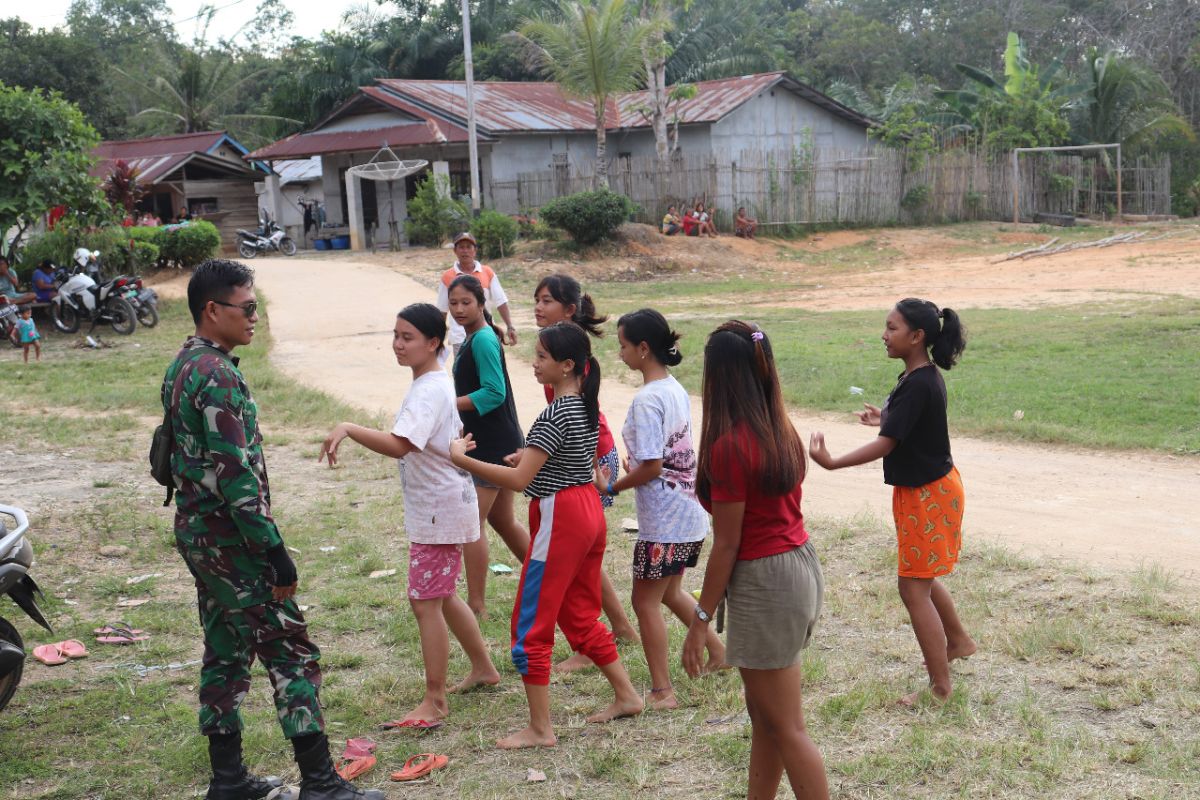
x=329 y=447
x=817 y=450
x=869 y=416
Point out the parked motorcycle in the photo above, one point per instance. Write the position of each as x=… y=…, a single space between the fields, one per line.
x=144 y=301
x=268 y=237
x=16 y=557
x=88 y=262
x=81 y=298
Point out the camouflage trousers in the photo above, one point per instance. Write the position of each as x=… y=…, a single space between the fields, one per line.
x=275 y=633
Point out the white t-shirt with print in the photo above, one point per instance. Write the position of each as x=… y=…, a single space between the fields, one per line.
x=440 y=506
x=659 y=425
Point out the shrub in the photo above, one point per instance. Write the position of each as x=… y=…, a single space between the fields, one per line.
x=188 y=245
x=589 y=216
x=435 y=216
x=143 y=256
x=496 y=234
x=60 y=244
x=915 y=198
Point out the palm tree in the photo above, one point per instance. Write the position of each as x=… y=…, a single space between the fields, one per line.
x=1125 y=101
x=593 y=52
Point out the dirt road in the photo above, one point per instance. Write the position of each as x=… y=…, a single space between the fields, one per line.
x=1115 y=511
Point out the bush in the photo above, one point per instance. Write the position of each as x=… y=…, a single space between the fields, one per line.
x=915 y=198
x=589 y=216
x=60 y=244
x=435 y=217
x=188 y=245
x=496 y=234
x=143 y=257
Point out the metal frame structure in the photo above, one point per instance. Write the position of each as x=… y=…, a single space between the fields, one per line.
x=1016 y=175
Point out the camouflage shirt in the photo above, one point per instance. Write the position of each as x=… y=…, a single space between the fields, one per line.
x=222 y=497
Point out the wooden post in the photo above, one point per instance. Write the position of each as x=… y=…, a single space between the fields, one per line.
x=1015 y=179
x=1120 y=206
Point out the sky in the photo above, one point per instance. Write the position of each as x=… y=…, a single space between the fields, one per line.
x=312 y=16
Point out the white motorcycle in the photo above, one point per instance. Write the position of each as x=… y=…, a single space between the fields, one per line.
x=268 y=237
x=80 y=297
x=16 y=557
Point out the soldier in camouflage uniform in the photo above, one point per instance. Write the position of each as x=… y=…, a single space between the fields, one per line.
x=245 y=579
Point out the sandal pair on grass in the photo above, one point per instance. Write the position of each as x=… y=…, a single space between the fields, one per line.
x=359 y=757
x=119 y=633
x=60 y=652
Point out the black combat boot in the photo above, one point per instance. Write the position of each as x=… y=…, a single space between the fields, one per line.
x=318 y=779
x=231 y=780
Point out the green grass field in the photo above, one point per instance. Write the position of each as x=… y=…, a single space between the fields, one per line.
x=1086 y=685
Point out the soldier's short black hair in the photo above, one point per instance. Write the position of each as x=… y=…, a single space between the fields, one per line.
x=215 y=279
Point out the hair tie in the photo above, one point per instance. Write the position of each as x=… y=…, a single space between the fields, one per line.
x=673 y=349
x=757 y=336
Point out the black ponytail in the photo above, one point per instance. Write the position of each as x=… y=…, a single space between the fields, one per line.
x=567 y=291
x=472 y=285
x=566 y=340
x=945 y=335
x=427 y=319
x=649 y=326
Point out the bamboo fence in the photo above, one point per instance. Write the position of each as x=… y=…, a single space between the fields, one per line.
x=874 y=187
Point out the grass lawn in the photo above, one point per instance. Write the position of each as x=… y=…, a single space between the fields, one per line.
x=1085 y=685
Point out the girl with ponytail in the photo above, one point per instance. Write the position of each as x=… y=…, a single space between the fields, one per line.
x=560 y=298
x=661 y=467
x=560 y=576
x=927 y=492
x=489 y=413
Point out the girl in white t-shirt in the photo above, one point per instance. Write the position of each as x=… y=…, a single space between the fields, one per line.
x=440 y=509
x=661 y=466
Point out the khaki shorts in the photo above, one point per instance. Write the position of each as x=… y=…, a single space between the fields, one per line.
x=772 y=607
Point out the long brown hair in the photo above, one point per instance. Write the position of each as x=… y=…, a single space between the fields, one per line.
x=741 y=388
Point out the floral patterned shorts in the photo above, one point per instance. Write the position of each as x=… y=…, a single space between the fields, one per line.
x=433 y=570
x=655 y=560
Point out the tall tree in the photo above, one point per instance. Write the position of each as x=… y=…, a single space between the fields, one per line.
x=1124 y=102
x=593 y=51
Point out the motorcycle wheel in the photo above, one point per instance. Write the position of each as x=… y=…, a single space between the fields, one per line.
x=65 y=317
x=247 y=250
x=9 y=683
x=147 y=314
x=287 y=246
x=121 y=316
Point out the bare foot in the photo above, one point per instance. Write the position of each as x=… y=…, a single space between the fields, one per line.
x=526 y=738
x=662 y=700
x=476 y=680
x=961 y=650
x=628 y=635
x=429 y=710
x=910 y=700
x=576 y=662
x=618 y=710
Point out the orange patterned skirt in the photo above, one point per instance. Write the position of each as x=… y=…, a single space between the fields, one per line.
x=929 y=526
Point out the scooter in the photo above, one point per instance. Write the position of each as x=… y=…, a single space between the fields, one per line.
x=16 y=557
x=269 y=236
x=80 y=297
x=144 y=301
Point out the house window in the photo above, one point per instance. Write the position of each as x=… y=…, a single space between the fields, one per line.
x=624 y=162
x=460 y=177
x=562 y=175
x=202 y=205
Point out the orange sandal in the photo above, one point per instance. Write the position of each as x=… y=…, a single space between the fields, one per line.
x=419 y=766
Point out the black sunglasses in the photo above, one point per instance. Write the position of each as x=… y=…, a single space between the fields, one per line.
x=247 y=308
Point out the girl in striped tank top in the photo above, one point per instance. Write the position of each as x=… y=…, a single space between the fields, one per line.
x=560 y=578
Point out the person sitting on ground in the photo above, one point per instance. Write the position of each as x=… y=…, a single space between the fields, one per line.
x=10 y=286
x=691 y=225
x=43 y=282
x=712 y=219
x=743 y=225
x=705 y=226
x=671 y=224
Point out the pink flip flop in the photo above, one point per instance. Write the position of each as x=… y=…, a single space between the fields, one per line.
x=72 y=648
x=121 y=628
x=49 y=654
x=414 y=724
x=121 y=638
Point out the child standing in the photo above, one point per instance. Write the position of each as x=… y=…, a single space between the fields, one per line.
x=560 y=298
x=662 y=466
x=27 y=332
x=560 y=578
x=440 y=513
x=489 y=413
x=749 y=477
x=927 y=492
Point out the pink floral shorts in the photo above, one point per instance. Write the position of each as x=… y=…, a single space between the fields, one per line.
x=433 y=570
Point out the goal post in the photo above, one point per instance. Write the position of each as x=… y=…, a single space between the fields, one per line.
x=1016 y=175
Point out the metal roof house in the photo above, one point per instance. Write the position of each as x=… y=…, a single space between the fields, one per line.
x=205 y=174
x=534 y=127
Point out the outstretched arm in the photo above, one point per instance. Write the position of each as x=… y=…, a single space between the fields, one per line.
x=383 y=442
x=515 y=478
x=863 y=455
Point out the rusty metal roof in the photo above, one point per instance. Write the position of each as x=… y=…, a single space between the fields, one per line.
x=502 y=106
x=158 y=156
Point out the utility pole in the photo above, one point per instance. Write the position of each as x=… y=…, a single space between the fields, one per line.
x=472 y=145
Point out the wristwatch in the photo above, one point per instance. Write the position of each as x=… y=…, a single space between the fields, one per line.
x=702 y=615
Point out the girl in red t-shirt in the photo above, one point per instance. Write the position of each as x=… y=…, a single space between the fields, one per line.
x=750 y=469
x=927 y=493
x=560 y=298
